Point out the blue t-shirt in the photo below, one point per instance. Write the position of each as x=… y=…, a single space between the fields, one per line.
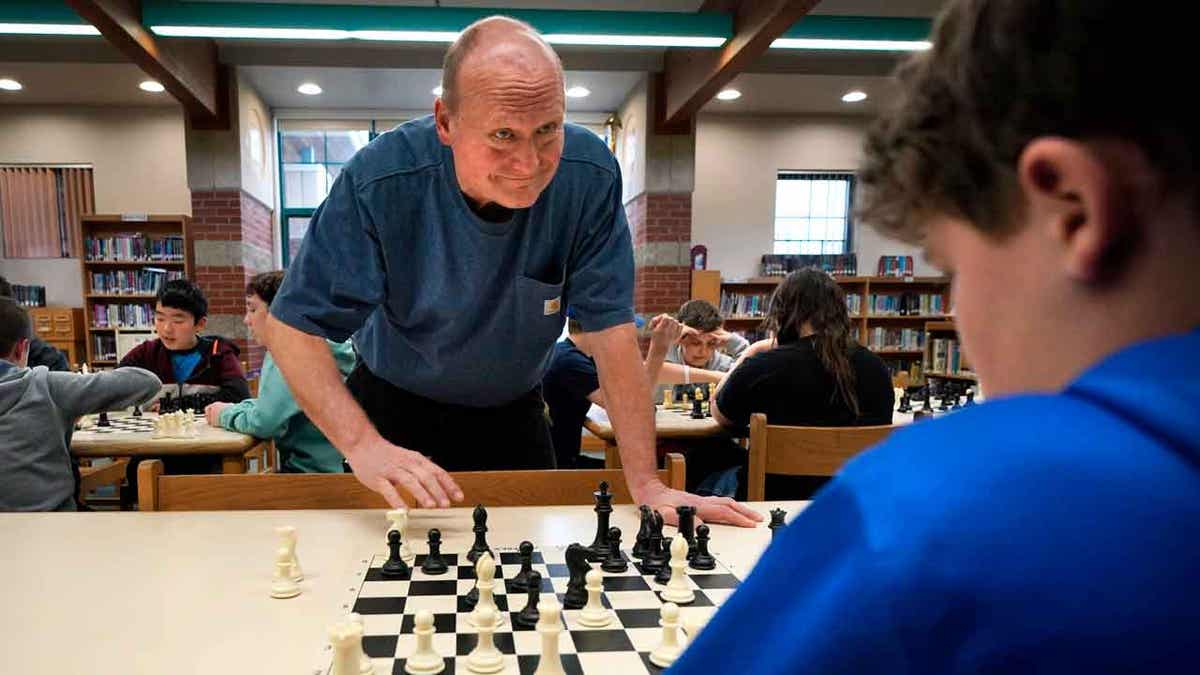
x=447 y=305
x=569 y=380
x=183 y=363
x=1031 y=534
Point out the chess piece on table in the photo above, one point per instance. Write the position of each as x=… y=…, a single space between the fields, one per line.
x=287 y=537
x=642 y=541
x=667 y=399
x=615 y=563
x=678 y=591
x=365 y=666
x=687 y=526
x=399 y=519
x=905 y=404
x=520 y=581
x=424 y=660
x=549 y=627
x=485 y=582
x=433 y=564
x=778 y=517
x=577 y=565
x=102 y=421
x=528 y=616
x=598 y=551
x=703 y=560
x=485 y=658
x=664 y=570
x=395 y=567
x=137 y=411
x=480 y=529
x=697 y=409
x=346 y=639
x=671 y=646
x=654 y=558
x=594 y=615
x=283 y=586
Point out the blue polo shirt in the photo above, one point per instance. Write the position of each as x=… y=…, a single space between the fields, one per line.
x=1031 y=534
x=447 y=305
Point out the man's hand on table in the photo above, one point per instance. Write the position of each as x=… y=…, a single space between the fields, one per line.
x=382 y=466
x=212 y=413
x=708 y=509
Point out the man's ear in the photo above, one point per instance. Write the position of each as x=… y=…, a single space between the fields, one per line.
x=1074 y=192
x=441 y=118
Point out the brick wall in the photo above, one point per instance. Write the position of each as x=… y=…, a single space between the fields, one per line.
x=662 y=233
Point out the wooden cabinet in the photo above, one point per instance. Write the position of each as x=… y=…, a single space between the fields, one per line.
x=62 y=327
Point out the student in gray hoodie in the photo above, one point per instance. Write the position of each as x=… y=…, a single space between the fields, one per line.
x=38 y=409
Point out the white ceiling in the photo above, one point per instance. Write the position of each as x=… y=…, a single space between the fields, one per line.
x=780 y=94
x=79 y=83
x=844 y=7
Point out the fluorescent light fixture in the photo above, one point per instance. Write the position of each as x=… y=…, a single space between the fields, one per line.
x=853 y=45
x=405 y=35
x=578 y=92
x=47 y=29
x=309 y=89
x=854 y=96
x=152 y=86
x=633 y=40
x=729 y=95
x=251 y=33
x=9 y=84
x=437 y=91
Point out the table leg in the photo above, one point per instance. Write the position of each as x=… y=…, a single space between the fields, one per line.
x=612 y=458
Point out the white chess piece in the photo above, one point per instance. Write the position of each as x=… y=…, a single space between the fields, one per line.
x=671 y=647
x=346 y=638
x=399 y=518
x=365 y=667
x=485 y=575
x=485 y=658
x=283 y=586
x=424 y=660
x=287 y=535
x=549 y=627
x=594 y=615
x=678 y=591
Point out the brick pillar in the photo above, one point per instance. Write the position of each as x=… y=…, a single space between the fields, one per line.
x=662 y=234
x=234 y=240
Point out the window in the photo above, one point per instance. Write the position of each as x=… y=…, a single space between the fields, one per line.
x=40 y=208
x=812 y=212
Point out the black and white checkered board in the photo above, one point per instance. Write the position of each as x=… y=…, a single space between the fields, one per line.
x=130 y=425
x=388 y=609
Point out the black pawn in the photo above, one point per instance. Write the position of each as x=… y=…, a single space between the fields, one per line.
x=520 y=581
x=777 y=521
x=642 y=543
x=528 y=616
x=395 y=567
x=480 y=546
x=970 y=397
x=687 y=527
x=137 y=411
x=598 y=551
x=433 y=564
x=697 y=409
x=664 y=569
x=103 y=421
x=905 y=404
x=615 y=562
x=577 y=564
x=703 y=560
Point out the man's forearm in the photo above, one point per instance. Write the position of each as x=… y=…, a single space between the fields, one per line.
x=316 y=384
x=674 y=373
x=655 y=359
x=627 y=395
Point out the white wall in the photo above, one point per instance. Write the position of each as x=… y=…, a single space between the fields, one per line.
x=631 y=141
x=138 y=161
x=737 y=158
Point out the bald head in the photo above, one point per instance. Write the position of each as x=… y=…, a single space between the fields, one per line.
x=497 y=44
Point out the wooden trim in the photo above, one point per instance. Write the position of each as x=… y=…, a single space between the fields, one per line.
x=148 y=473
x=756 y=473
x=676 y=471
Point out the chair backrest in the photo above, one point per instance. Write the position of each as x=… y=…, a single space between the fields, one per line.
x=802 y=451
x=224 y=492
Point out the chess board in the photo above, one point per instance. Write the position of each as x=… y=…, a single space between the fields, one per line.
x=623 y=647
x=129 y=424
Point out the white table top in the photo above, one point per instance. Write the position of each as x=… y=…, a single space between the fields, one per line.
x=673 y=423
x=179 y=593
x=87 y=442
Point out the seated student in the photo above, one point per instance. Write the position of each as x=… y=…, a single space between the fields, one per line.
x=705 y=351
x=571 y=384
x=274 y=414
x=38 y=409
x=41 y=353
x=199 y=367
x=1054 y=528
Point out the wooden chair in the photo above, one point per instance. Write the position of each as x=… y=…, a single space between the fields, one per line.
x=802 y=451
x=222 y=492
x=92 y=476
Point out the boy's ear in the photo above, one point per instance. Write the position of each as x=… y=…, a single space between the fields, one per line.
x=201 y=323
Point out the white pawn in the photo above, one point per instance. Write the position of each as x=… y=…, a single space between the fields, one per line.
x=594 y=615
x=549 y=627
x=485 y=658
x=424 y=661
x=485 y=574
x=283 y=586
x=399 y=518
x=346 y=638
x=671 y=647
x=678 y=591
x=365 y=666
x=287 y=536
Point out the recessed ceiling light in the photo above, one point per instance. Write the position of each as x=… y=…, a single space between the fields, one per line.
x=309 y=89
x=437 y=91
x=9 y=84
x=578 y=92
x=729 y=95
x=854 y=96
x=152 y=86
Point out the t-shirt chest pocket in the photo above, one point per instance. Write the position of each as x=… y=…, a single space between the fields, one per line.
x=539 y=311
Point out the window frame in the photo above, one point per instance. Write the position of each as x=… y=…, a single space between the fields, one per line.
x=807 y=174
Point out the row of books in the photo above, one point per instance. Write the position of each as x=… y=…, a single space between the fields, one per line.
x=124 y=315
x=782 y=264
x=133 y=247
x=915 y=370
x=104 y=347
x=895 y=266
x=145 y=281
x=29 y=296
x=909 y=339
x=854 y=304
x=945 y=357
x=906 y=304
x=744 y=304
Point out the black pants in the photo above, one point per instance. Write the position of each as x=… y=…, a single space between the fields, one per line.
x=514 y=435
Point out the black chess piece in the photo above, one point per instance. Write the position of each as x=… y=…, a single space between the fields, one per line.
x=922 y=414
x=480 y=546
x=528 y=616
x=697 y=409
x=703 y=560
x=577 y=564
x=642 y=542
x=905 y=404
x=103 y=421
x=687 y=526
x=433 y=564
x=395 y=567
x=664 y=570
x=520 y=581
x=777 y=521
x=137 y=411
x=654 y=555
x=598 y=551
x=970 y=397
x=615 y=562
